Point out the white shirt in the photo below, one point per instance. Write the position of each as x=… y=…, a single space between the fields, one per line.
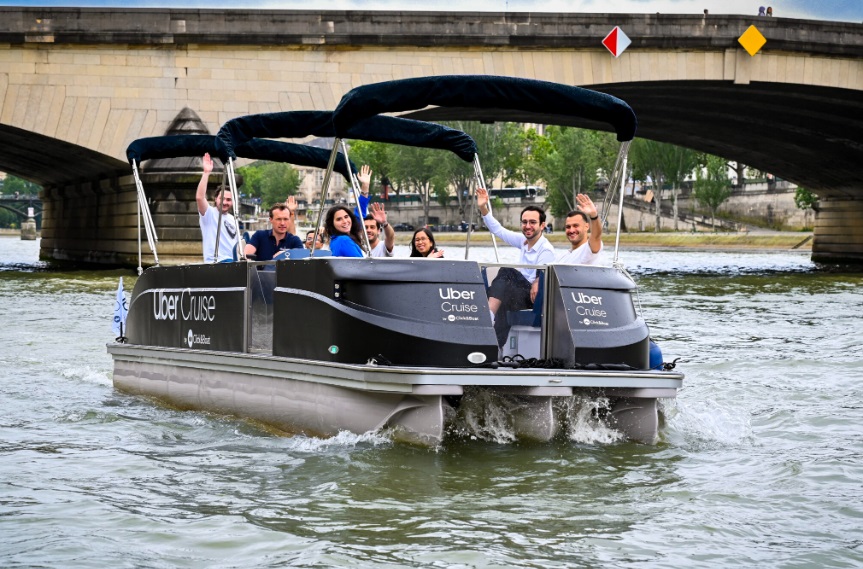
x=227 y=237
x=581 y=255
x=380 y=250
x=542 y=252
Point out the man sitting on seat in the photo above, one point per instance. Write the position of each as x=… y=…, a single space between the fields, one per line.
x=516 y=289
x=269 y=244
x=585 y=247
x=210 y=217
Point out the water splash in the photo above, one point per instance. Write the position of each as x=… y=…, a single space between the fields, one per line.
x=344 y=439
x=583 y=420
x=484 y=415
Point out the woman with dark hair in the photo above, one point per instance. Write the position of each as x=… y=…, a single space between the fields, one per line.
x=345 y=232
x=422 y=244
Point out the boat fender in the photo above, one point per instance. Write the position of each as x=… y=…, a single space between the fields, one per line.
x=655 y=356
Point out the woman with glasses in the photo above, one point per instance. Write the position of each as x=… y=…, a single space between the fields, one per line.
x=423 y=245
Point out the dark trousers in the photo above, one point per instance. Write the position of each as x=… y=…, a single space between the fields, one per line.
x=513 y=291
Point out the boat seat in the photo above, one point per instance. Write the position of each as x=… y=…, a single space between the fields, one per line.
x=530 y=316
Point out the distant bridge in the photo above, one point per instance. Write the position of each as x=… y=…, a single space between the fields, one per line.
x=77 y=85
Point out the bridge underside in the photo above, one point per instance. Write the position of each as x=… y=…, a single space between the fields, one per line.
x=812 y=136
x=50 y=162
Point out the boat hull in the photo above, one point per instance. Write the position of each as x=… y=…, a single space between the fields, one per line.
x=413 y=404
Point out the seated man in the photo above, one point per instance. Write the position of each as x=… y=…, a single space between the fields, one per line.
x=516 y=289
x=373 y=222
x=269 y=244
x=584 y=231
x=310 y=236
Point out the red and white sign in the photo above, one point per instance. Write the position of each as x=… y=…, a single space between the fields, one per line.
x=616 y=41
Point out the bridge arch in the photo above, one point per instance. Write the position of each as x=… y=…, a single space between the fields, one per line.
x=92 y=79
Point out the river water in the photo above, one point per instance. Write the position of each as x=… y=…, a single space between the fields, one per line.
x=759 y=464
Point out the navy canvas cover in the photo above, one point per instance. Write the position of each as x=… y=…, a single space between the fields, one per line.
x=299 y=124
x=485 y=92
x=195 y=145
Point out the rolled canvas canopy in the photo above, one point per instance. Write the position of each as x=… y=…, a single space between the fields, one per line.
x=195 y=145
x=484 y=92
x=299 y=124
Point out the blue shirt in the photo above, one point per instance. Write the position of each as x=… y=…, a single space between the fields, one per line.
x=266 y=247
x=344 y=246
x=362 y=208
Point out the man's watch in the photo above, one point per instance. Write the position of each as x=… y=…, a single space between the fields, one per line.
x=384 y=224
x=594 y=218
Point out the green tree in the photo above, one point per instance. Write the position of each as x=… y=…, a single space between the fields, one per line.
x=12 y=184
x=805 y=199
x=415 y=168
x=712 y=186
x=376 y=155
x=571 y=167
x=273 y=182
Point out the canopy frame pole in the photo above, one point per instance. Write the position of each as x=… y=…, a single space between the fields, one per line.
x=624 y=151
x=149 y=228
x=232 y=182
x=219 y=219
x=355 y=190
x=325 y=189
x=480 y=180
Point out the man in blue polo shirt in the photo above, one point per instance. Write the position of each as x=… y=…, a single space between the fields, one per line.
x=269 y=244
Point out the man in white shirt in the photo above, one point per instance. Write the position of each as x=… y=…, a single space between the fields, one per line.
x=208 y=217
x=374 y=222
x=516 y=289
x=584 y=231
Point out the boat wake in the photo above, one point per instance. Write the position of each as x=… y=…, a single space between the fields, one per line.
x=343 y=440
x=704 y=424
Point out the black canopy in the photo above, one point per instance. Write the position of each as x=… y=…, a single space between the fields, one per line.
x=485 y=92
x=195 y=145
x=299 y=124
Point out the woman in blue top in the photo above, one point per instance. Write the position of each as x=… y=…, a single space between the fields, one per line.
x=345 y=232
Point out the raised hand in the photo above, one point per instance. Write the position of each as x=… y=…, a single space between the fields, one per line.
x=207 y=162
x=365 y=177
x=291 y=204
x=586 y=205
x=481 y=197
x=377 y=211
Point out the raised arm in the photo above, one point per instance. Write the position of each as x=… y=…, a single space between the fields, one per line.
x=201 y=193
x=292 y=205
x=586 y=205
x=482 y=200
x=377 y=211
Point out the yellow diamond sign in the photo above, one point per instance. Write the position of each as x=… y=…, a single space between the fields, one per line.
x=752 y=40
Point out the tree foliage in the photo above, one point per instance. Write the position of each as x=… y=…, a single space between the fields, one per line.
x=805 y=199
x=273 y=182
x=712 y=186
x=12 y=184
x=571 y=166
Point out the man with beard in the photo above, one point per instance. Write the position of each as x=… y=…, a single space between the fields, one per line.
x=374 y=222
x=516 y=289
x=584 y=231
x=209 y=219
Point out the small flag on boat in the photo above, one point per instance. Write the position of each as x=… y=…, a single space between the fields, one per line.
x=616 y=41
x=121 y=309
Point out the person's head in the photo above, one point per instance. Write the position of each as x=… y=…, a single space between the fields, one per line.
x=422 y=243
x=373 y=229
x=319 y=244
x=280 y=215
x=341 y=221
x=224 y=200
x=576 y=227
x=532 y=222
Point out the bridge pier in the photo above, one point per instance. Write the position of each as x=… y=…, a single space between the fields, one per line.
x=838 y=232
x=96 y=222
x=28 y=229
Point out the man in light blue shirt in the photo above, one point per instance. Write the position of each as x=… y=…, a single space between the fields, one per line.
x=516 y=289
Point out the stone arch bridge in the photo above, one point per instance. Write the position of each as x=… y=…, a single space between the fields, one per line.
x=78 y=85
